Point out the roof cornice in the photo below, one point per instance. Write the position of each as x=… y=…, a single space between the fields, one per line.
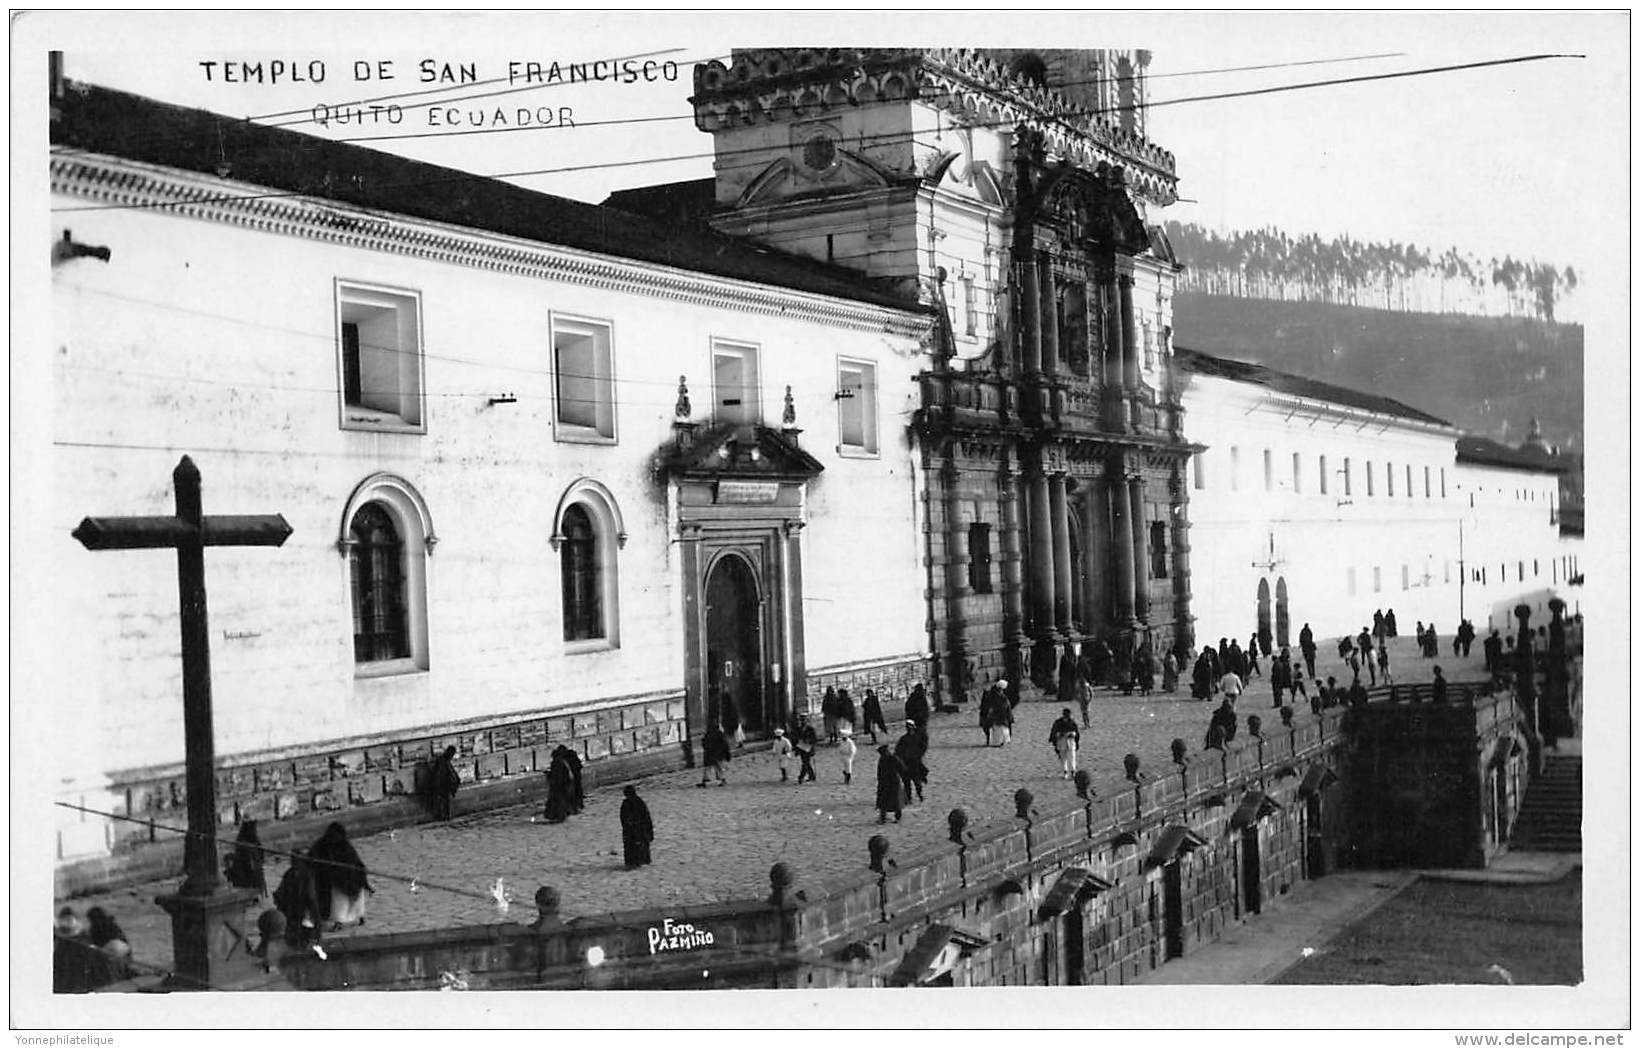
x=118 y=182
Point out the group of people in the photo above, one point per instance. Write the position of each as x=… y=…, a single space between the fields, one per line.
x=565 y=794
x=88 y=953
x=325 y=887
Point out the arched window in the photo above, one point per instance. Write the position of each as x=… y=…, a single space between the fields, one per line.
x=381 y=628
x=386 y=537
x=588 y=533
x=583 y=614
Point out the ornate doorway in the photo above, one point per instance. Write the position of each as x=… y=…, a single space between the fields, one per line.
x=735 y=659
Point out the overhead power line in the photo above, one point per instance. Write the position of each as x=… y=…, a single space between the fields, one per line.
x=891 y=136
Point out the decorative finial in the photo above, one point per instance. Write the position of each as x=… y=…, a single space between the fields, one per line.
x=681 y=409
x=788 y=415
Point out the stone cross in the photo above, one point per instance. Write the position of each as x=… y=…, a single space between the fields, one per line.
x=188 y=532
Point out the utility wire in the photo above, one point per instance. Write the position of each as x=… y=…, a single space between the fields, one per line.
x=877 y=139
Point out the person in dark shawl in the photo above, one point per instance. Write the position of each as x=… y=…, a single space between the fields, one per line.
x=1281 y=676
x=443 y=782
x=871 y=710
x=911 y=749
x=1389 y=624
x=106 y=935
x=916 y=705
x=560 y=788
x=1067 y=677
x=297 y=898
x=1145 y=668
x=714 y=749
x=846 y=712
x=1225 y=718
x=1201 y=676
x=637 y=829
x=577 y=793
x=988 y=701
x=890 y=784
x=76 y=965
x=339 y=877
x=1170 y=671
x=244 y=867
x=729 y=718
x=828 y=713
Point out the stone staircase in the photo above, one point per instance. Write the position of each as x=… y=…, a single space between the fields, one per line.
x=1551 y=814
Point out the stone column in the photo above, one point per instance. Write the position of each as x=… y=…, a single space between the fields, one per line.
x=1109 y=303
x=1050 y=317
x=1063 y=597
x=1030 y=295
x=1130 y=343
x=1013 y=612
x=1183 y=632
x=1121 y=539
x=955 y=534
x=1041 y=556
x=1141 y=563
x=1093 y=553
x=795 y=694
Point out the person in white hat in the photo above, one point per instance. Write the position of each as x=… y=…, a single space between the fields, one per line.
x=782 y=754
x=846 y=750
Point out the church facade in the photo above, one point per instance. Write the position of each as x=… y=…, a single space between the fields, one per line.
x=1012 y=190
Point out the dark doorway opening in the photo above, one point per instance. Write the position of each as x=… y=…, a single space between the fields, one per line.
x=1264 y=614
x=1284 y=622
x=1173 y=909
x=734 y=643
x=1252 y=892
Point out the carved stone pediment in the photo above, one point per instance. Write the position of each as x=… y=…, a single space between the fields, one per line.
x=1093 y=209
x=734 y=451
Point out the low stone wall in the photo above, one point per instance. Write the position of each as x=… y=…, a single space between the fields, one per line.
x=892 y=681
x=372 y=784
x=1163 y=867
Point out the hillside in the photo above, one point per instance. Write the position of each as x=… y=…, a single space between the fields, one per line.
x=1487 y=375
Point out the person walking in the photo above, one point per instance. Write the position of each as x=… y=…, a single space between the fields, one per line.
x=1306 y=647
x=910 y=750
x=1002 y=718
x=1084 y=695
x=637 y=829
x=828 y=713
x=1281 y=676
x=1145 y=663
x=442 y=783
x=871 y=712
x=846 y=749
x=1064 y=738
x=1383 y=664
x=714 y=750
x=1230 y=685
x=1437 y=688
x=890 y=785
x=1201 y=676
x=916 y=705
x=1170 y=672
x=988 y=701
x=782 y=753
x=804 y=749
x=339 y=877
x=847 y=714
x=1252 y=658
x=1434 y=650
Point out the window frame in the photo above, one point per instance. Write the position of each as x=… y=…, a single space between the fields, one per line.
x=979 y=557
x=1157 y=549
x=608 y=527
x=870 y=410
x=409 y=514
x=352 y=297
x=606 y=402
x=745 y=351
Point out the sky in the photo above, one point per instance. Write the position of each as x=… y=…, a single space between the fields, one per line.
x=1528 y=159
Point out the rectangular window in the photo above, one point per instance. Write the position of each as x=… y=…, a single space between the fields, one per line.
x=1406 y=578
x=970 y=307
x=1321 y=473
x=1158 y=549
x=1426 y=482
x=1269 y=471
x=1349 y=578
x=1369 y=476
x=1520 y=571
x=1409 y=480
x=735 y=387
x=857 y=407
x=379 y=358
x=1534 y=568
x=1199 y=464
x=1377 y=578
x=1235 y=469
x=1347 y=478
x=979 y=558
x=1443 y=482
x=584 y=374
x=1389 y=479
x=1298 y=485
x=1446 y=571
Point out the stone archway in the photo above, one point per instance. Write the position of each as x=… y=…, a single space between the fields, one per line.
x=1264 y=613
x=1284 y=619
x=734 y=642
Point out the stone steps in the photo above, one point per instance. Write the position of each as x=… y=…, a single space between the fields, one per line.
x=1551 y=814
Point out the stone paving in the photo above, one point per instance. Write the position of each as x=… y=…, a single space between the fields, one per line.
x=717 y=843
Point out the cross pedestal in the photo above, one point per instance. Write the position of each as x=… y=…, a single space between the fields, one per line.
x=200 y=905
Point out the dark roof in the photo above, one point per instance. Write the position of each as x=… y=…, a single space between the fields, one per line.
x=1297 y=385
x=679 y=203
x=103 y=120
x=1484 y=452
